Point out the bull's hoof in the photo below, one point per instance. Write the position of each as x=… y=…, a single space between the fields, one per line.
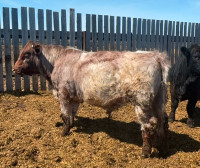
x=171 y=117
x=64 y=133
x=143 y=156
x=190 y=122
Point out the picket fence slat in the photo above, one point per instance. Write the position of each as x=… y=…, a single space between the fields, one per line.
x=161 y=36
x=87 y=40
x=123 y=33
x=129 y=34
x=165 y=36
x=64 y=27
x=56 y=28
x=153 y=35
x=49 y=30
x=112 y=35
x=6 y=24
x=1 y=65
x=134 y=35
x=144 y=34
x=106 y=32
x=139 y=34
x=41 y=40
x=157 y=34
x=169 y=40
x=33 y=38
x=177 y=41
x=100 y=32
x=15 y=43
x=72 y=27
x=79 y=31
x=118 y=33
x=148 y=35
x=173 y=43
x=94 y=33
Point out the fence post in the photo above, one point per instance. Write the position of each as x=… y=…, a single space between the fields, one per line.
x=15 y=42
x=123 y=33
x=6 y=24
x=129 y=34
x=33 y=38
x=72 y=27
x=79 y=32
x=134 y=38
x=41 y=39
x=56 y=28
x=106 y=32
x=64 y=27
x=100 y=32
x=112 y=35
x=24 y=41
x=118 y=33
x=87 y=39
x=94 y=33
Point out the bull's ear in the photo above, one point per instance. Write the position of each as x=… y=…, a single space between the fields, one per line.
x=186 y=52
x=38 y=48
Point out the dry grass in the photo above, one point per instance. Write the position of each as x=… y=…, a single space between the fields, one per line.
x=30 y=136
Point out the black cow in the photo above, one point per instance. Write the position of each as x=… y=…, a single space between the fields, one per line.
x=185 y=82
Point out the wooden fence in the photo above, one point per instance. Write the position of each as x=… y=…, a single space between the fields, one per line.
x=102 y=32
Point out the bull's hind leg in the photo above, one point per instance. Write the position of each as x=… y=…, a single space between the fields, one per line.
x=190 y=110
x=148 y=127
x=174 y=105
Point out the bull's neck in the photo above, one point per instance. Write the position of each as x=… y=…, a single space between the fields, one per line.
x=48 y=57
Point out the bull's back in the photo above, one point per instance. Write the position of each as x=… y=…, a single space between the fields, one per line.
x=118 y=79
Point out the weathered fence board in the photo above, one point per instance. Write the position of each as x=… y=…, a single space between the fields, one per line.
x=112 y=35
x=41 y=40
x=15 y=43
x=94 y=33
x=72 y=27
x=153 y=35
x=123 y=33
x=87 y=40
x=79 y=32
x=100 y=32
x=118 y=33
x=1 y=65
x=7 y=50
x=33 y=38
x=134 y=34
x=129 y=34
x=64 y=27
x=103 y=32
x=56 y=28
x=24 y=41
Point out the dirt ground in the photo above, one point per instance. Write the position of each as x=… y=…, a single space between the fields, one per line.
x=30 y=136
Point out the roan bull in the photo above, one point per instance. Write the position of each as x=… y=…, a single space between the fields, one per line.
x=107 y=79
x=185 y=82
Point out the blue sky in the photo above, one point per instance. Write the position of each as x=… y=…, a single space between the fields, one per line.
x=174 y=10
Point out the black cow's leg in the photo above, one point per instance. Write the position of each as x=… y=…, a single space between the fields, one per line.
x=174 y=105
x=190 y=110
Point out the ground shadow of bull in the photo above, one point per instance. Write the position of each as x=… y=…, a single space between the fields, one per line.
x=131 y=133
x=196 y=117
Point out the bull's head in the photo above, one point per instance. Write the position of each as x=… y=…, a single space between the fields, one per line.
x=193 y=58
x=28 y=61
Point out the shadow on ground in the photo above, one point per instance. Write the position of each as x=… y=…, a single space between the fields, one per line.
x=131 y=133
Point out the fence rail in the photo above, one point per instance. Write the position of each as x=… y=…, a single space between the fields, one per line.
x=102 y=32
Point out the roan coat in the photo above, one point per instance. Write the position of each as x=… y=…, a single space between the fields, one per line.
x=107 y=79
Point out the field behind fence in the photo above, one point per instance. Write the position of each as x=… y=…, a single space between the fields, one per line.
x=102 y=32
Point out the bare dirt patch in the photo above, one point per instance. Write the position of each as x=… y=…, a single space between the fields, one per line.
x=30 y=136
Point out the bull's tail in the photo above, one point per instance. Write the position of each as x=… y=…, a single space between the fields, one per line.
x=164 y=62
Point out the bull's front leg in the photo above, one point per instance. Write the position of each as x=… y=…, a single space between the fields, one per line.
x=68 y=109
